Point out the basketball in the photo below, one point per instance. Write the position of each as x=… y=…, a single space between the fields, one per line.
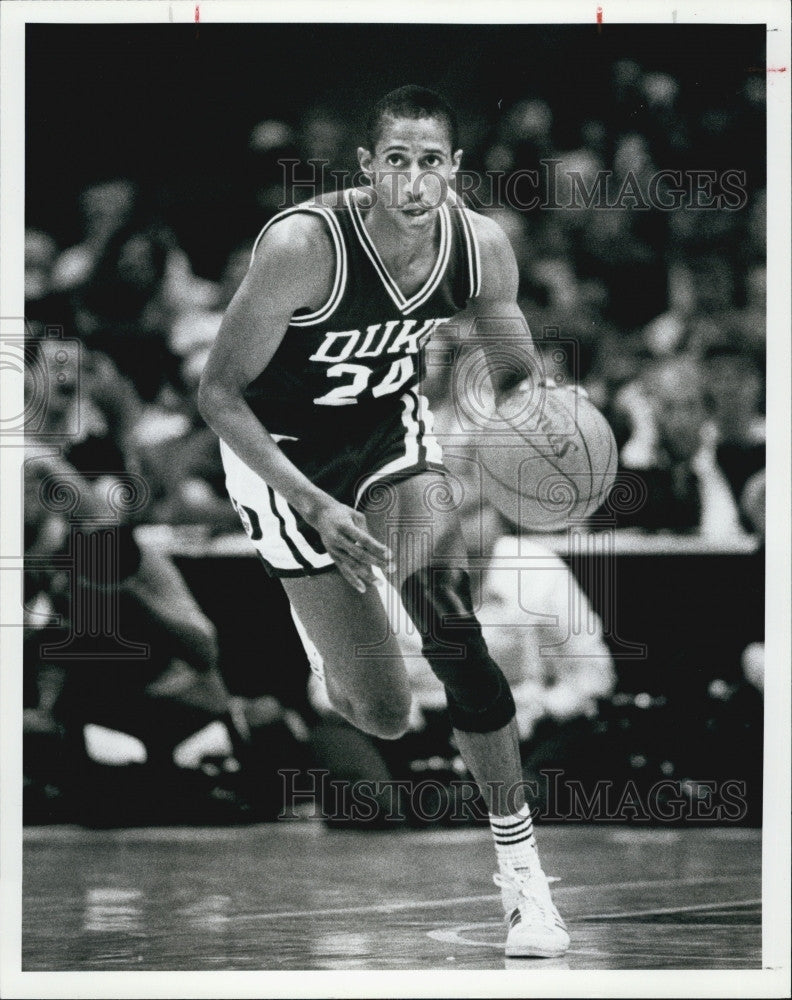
x=552 y=460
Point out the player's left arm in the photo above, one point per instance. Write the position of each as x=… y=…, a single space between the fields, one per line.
x=493 y=321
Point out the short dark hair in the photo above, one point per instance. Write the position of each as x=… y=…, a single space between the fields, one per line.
x=411 y=101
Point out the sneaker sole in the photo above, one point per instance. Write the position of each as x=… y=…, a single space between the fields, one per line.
x=526 y=952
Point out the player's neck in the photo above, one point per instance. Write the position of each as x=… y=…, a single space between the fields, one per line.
x=393 y=241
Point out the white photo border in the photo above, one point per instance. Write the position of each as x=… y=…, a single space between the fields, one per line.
x=773 y=979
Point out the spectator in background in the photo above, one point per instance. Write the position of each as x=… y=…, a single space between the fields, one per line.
x=179 y=455
x=751 y=321
x=753 y=665
x=91 y=685
x=522 y=139
x=180 y=458
x=701 y=296
x=665 y=130
x=753 y=506
x=324 y=138
x=673 y=448
x=40 y=253
x=91 y=409
x=44 y=305
x=123 y=307
x=558 y=291
x=196 y=327
x=613 y=385
x=105 y=207
x=99 y=456
x=755 y=243
x=125 y=282
x=627 y=107
x=713 y=285
x=623 y=247
x=735 y=389
x=701 y=314
x=270 y=143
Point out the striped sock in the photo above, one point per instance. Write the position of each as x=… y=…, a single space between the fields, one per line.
x=515 y=844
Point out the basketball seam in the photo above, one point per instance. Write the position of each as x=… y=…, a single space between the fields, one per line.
x=611 y=442
x=539 y=455
x=582 y=437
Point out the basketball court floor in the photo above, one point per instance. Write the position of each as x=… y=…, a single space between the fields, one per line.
x=286 y=896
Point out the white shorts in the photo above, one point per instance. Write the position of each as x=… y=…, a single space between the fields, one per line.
x=400 y=446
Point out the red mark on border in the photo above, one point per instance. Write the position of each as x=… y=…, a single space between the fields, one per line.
x=197 y=13
x=599 y=20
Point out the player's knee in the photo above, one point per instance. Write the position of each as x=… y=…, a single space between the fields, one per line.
x=478 y=694
x=385 y=717
x=481 y=715
x=386 y=724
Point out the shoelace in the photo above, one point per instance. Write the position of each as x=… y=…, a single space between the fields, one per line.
x=532 y=892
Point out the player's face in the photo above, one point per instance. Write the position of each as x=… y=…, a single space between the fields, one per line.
x=411 y=169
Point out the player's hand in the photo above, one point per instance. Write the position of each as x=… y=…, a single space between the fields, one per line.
x=344 y=534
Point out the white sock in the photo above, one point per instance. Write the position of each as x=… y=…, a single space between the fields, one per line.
x=515 y=844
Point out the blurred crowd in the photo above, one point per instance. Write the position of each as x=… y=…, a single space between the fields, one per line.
x=662 y=319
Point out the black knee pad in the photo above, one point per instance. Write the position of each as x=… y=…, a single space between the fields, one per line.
x=439 y=603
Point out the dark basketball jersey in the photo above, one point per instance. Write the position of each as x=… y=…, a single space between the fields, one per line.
x=348 y=363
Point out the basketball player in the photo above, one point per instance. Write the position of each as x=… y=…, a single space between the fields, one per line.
x=313 y=388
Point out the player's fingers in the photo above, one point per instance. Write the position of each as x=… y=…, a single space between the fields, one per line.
x=359 y=519
x=351 y=577
x=355 y=571
x=352 y=560
x=355 y=553
x=375 y=550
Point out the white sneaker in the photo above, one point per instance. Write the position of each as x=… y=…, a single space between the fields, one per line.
x=535 y=925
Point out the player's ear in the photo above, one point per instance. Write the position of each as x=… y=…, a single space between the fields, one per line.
x=365 y=159
x=456 y=162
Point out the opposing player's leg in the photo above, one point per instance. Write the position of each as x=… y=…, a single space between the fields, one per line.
x=368 y=686
x=416 y=518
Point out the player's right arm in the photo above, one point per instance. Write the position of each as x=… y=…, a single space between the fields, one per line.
x=291 y=270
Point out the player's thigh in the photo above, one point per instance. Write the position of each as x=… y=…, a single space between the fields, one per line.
x=418 y=519
x=352 y=633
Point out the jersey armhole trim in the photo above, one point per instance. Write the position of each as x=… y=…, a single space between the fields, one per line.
x=473 y=255
x=341 y=262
